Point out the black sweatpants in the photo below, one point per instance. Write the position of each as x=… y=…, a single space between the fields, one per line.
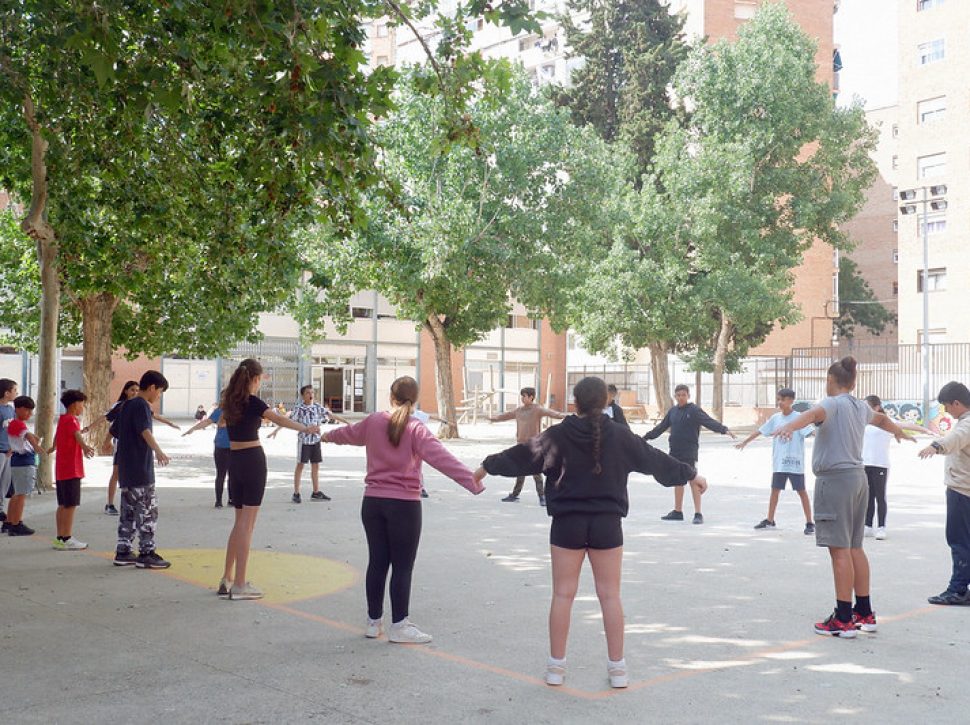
x=877 y=476
x=221 y=456
x=393 y=530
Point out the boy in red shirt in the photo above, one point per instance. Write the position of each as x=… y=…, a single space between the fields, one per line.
x=23 y=470
x=69 y=468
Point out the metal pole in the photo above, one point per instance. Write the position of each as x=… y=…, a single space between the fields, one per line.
x=925 y=351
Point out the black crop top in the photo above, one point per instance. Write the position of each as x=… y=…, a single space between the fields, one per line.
x=246 y=428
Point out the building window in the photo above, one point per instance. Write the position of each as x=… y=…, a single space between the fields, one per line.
x=895 y=162
x=931 y=52
x=895 y=130
x=362 y=313
x=745 y=9
x=895 y=289
x=936 y=337
x=547 y=72
x=382 y=60
x=895 y=225
x=929 y=167
x=935 y=277
x=895 y=193
x=895 y=256
x=922 y=5
x=931 y=110
x=528 y=43
x=381 y=30
x=935 y=224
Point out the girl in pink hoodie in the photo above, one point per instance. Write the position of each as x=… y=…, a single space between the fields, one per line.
x=391 y=511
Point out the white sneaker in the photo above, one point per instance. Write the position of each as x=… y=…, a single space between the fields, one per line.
x=617 y=673
x=881 y=533
x=73 y=544
x=375 y=628
x=247 y=592
x=555 y=674
x=869 y=532
x=406 y=633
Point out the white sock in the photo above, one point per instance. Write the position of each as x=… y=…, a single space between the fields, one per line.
x=373 y=621
x=620 y=664
x=553 y=662
x=401 y=623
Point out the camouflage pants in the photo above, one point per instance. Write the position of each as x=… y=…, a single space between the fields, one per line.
x=139 y=513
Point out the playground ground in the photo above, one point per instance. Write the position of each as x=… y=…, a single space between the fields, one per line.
x=719 y=617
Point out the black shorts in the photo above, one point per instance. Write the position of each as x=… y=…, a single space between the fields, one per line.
x=310 y=453
x=247 y=476
x=779 y=479
x=68 y=492
x=586 y=531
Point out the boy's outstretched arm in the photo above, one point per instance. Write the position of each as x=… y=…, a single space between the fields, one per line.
x=814 y=415
x=510 y=415
x=740 y=446
x=89 y=451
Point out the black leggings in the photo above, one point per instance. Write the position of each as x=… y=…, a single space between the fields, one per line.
x=393 y=530
x=221 y=456
x=877 y=477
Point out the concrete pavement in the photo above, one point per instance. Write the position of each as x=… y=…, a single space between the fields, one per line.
x=718 y=616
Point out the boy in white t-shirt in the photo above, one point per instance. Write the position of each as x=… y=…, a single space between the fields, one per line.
x=23 y=467
x=788 y=459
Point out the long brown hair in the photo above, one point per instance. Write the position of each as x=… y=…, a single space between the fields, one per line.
x=235 y=397
x=404 y=391
x=590 y=395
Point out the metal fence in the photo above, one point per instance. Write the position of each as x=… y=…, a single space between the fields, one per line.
x=893 y=372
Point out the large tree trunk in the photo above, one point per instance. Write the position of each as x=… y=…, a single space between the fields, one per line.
x=445 y=388
x=36 y=226
x=661 y=376
x=720 y=356
x=97 y=312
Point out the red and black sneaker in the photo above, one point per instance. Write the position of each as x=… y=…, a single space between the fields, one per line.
x=832 y=626
x=866 y=624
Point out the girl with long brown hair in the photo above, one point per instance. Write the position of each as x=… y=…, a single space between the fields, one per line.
x=396 y=445
x=586 y=460
x=244 y=413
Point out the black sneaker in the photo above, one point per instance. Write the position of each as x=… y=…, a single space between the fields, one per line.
x=949 y=598
x=424 y=494
x=297 y=498
x=319 y=496
x=111 y=510
x=125 y=558
x=151 y=560
x=4 y=528
x=674 y=515
x=20 y=529
x=510 y=497
x=542 y=500
x=698 y=518
x=809 y=528
x=218 y=504
x=3 y=516
x=766 y=524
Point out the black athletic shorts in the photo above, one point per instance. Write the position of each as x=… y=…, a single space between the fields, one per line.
x=586 y=531
x=779 y=479
x=310 y=453
x=247 y=476
x=68 y=492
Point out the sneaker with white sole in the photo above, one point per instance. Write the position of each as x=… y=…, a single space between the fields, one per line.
x=881 y=533
x=555 y=674
x=248 y=591
x=71 y=544
x=404 y=632
x=223 y=590
x=617 y=674
x=375 y=628
x=869 y=532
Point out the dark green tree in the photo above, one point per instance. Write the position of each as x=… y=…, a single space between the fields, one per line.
x=858 y=304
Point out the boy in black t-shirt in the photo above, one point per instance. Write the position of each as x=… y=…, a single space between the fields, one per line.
x=136 y=476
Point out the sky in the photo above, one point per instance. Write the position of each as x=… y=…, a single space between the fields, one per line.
x=865 y=31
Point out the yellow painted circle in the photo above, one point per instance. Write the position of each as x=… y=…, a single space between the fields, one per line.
x=284 y=578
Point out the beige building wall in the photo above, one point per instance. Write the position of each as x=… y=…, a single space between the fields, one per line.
x=930 y=77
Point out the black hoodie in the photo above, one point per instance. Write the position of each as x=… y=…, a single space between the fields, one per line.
x=564 y=453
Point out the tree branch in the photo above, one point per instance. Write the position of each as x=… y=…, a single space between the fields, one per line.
x=427 y=50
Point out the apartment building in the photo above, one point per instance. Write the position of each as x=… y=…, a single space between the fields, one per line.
x=934 y=150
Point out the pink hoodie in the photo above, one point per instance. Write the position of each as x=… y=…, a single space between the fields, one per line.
x=395 y=472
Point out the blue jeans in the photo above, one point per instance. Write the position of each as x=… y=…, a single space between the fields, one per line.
x=958 y=538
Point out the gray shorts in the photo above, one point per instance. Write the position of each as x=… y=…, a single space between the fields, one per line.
x=22 y=479
x=4 y=476
x=841 y=499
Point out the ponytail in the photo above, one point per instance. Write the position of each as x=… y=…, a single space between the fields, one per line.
x=590 y=396
x=404 y=394
x=844 y=372
x=235 y=397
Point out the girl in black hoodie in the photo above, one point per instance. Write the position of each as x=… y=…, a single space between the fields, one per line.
x=586 y=460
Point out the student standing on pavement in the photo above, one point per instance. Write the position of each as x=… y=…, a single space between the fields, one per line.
x=8 y=391
x=875 y=457
x=309 y=413
x=955 y=445
x=396 y=444
x=613 y=409
x=244 y=414
x=220 y=451
x=69 y=468
x=787 y=460
x=137 y=452
x=841 y=493
x=684 y=421
x=587 y=461
x=23 y=466
x=528 y=421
